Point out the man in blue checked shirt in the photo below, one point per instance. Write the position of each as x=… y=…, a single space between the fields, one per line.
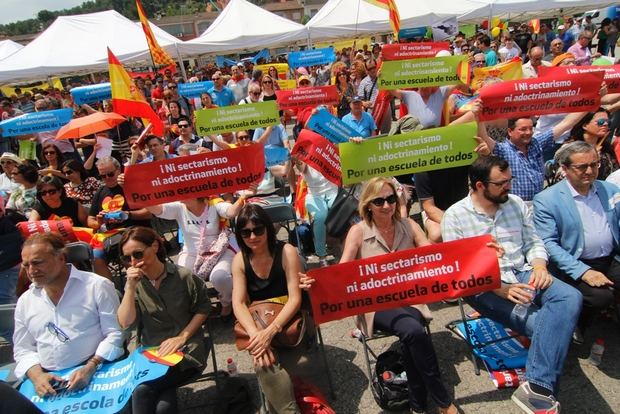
x=524 y=151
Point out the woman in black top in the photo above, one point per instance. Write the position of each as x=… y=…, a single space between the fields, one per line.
x=265 y=269
x=53 y=204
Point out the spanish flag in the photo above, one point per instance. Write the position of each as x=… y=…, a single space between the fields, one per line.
x=390 y=6
x=160 y=57
x=127 y=99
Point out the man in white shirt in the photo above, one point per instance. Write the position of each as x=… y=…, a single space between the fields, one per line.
x=65 y=319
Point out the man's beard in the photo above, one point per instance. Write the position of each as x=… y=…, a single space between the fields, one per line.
x=497 y=199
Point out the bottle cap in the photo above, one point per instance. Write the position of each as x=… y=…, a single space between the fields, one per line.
x=600 y=341
x=229 y=361
x=387 y=375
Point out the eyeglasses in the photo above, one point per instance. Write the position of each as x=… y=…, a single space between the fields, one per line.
x=255 y=93
x=380 y=201
x=602 y=121
x=57 y=332
x=183 y=126
x=108 y=175
x=584 y=167
x=48 y=192
x=172 y=87
x=587 y=38
x=478 y=63
x=137 y=254
x=6 y=162
x=267 y=81
x=258 y=231
x=215 y=79
x=49 y=152
x=68 y=172
x=243 y=137
x=502 y=183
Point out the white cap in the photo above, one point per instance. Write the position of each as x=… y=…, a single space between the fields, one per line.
x=443 y=53
x=561 y=27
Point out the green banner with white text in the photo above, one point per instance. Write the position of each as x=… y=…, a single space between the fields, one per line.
x=418 y=73
x=427 y=150
x=237 y=118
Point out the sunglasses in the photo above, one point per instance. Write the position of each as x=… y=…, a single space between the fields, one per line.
x=243 y=137
x=183 y=126
x=48 y=192
x=258 y=231
x=108 y=175
x=380 y=201
x=171 y=87
x=304 y=83
x=215 y=79
x=68 y=172
x=602 y=121
x=138 y=255
x=255 y=93
x=267 y=81
x=584 y=167
x=49 y=153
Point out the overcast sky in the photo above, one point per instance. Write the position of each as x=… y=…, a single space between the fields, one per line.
x=14 y=10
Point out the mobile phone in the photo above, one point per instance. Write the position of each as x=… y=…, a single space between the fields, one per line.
x=59 y=385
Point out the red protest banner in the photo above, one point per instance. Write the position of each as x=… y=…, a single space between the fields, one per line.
x=318 y=95
x=194 y=176
x=408 y=277
x=611 y=77
x=320 y=154
x=403 y=51
x=63 y=227
x=539 y=96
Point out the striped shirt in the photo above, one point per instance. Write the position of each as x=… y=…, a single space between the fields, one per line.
x=512 y=227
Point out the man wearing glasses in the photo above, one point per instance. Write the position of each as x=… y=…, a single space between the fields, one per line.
x=220 y=94
x=66 y=318
x=186 y=137
x=554 y=305
x=578 y=220
x=581 y=49
x=186 y=108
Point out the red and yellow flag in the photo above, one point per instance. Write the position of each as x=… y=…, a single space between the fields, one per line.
x=127 y=99
x=160 y=57
x=535 y=25
x=390 y=6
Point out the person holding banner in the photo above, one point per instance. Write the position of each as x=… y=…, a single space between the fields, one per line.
x=22 y=199
x=383 y=231
x=555 y=306
x=168 y=305
x=266 y=269
x=53 y=203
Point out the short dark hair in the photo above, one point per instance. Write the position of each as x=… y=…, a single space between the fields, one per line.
x=29 y=172
x=577 y=132
x=252 y=213
x=480 y=170
x=53 y=181
x=485 y=40
x=146 y=236
x=75 y=165
x=149 y=138
x=512 y=122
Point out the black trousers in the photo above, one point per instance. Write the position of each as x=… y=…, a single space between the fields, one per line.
x=12 y=402
x=419 y=355
x=596 y=299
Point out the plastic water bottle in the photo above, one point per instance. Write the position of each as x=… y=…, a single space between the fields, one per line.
x=116 y=215
x=520 y=309
x=596 y=353
x=390 y=378
x=231 y=367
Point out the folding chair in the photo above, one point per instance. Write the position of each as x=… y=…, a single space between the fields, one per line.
x=7 y=321
x=463 y=328
x=169 y=231
x=80 y=254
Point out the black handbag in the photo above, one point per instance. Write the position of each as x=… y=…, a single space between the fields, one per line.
x=342 y=214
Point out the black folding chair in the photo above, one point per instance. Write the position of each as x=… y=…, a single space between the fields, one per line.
x=80 y=254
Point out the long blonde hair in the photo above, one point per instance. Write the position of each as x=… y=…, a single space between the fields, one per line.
x=370 y=191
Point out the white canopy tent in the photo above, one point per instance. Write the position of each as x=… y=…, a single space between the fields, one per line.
x=350 y=18
x=244 y=26
x=77 y=44
x=8 y=47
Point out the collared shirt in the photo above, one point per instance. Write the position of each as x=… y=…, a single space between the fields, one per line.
x=149 y=158
x=530 y=71
x=598 y=240
x=365 y=126
x=223 y=97
x=86 y=313
x=583 y=56
x=528 y=171
x=512 y=227
x=368 y=89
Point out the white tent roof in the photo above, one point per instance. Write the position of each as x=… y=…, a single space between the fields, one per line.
x=8 y=47
x=521 y=10
x=349 y=18
x=244 y=26
x=74 y=44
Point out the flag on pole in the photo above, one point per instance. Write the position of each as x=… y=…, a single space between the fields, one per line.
x=159 y=55
x=127 y=99
x=390 y=6
x=535 y=25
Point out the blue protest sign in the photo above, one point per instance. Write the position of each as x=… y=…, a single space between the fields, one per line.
x=221 y=61
x=311 y=57
x=332 y=128
x=412 y=32
x=194 y=89
x=91 y=93
x=275 y=156
x=108 y=391
x=36 y=122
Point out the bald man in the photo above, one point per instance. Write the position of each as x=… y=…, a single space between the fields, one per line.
x=530 y=69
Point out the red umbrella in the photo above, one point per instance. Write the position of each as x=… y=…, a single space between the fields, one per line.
x=90 y=124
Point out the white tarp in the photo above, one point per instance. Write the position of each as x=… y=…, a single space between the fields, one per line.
x=350 y=18
x=8 y=47
x=521 y=10
x=244 y=26
x=77 y=44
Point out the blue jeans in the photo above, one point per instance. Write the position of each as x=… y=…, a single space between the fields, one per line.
x=550 y=322
x=8 y=283
x=317 y=206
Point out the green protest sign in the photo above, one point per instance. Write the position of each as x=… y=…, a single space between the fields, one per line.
x=27 y=150
x=237 y=118
x=418 y=73
x=414 y=152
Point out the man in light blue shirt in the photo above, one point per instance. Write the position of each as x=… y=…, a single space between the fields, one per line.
x=360 y=120
x=272 y=136
x=220 y=94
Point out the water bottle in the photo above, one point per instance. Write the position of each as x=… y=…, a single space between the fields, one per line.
x=390 y=378
x=520 y=309
x=596 y=353
x=231 y=367
x=116 y=215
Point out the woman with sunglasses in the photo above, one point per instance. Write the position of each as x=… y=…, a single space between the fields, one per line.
x=53 y=204
x=346 y=91
x=80 y=187
x=23 y=198
x=174 y=117
x=168 y=306
x=51 y=160
x=273 y=73
x=265 y=269
x=384 y=231
x=269 y=91
x=593 y=129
